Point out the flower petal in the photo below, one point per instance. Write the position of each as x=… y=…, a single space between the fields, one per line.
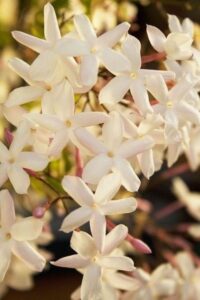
x=117 y=263
x=30 y=41
x=83 y=244
x=5 y=260
x=140 y=96
x=29 y=255
x=4 y=153
x=114 y=238
x=3 y=174
x=72 y=47
x=180 y=90
x=20 y=67
x=85 y=119
x=76 y=218
x=85 y=29
x=115 y=90
x=7 y=210
x=51 y=28
x=129 y=178
x=146 y=162
x=78 y=190
x=33 y=161
x=89 y=70
x=27 y=229
x=174 y=23
x=24 y=95
x=129 y=46
x=131 y=148
x=91 y=283
x=157 y=87
x=156 y=38
x=121 y=206
x=101 y=164
x=20 y=139
x=98 y=229
x=19 y=179
x=187 y=112
x=72 y=261
x=59 y=142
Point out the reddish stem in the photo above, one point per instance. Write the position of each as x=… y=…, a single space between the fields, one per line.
x=175 y=171
x=79 y=162
x=153 y=57
x=168 y=210
x=8 y=136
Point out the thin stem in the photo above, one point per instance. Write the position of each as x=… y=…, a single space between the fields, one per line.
x=153 y=57
x=168 y=210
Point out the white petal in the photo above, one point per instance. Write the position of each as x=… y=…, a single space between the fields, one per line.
x=85 y=29
x=7 y=209
x=89 y=141
x=76 y=218
x=112 y=37
x=178 y=46
x=187 y=112
x=72 y=47
x=117 y=263
x=185 y=265
x=146 y=162
x=49 y=122
x=114 y=238
x=157 y=87
x=83 y=244
x=78 y=190
x=21 y=138
x=5 y=260
x=140 y=96
x=51 y=28
x=59 y=142
x=174 y=23
x=114 y=61
x=91 y=283
x=131 y=148
x=131 y=47
x=101 y=164
x=188 y=26
x=115 y=90
x=30 y=41
x=4 y=153
x=72 y=261
x=89 y=70
x=14 y=114
x=156 y=38
x=24 y=95
x=19 y=179
x=29 y=255
x=20 y=67
x=107 y=188
x=27 y=229
x=112 y=132
x=129 y=179
x=180 y=90
x=173 y=153
x=98 y=229
x=3 y=174
x=121 y=206
x=85 y=119
x=33 y=161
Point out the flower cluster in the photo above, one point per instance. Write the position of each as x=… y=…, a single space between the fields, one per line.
x=120 y=125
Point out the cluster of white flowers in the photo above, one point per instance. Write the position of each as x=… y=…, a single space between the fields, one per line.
x=140 y=117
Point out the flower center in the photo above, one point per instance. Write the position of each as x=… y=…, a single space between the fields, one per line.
x=8 y=236
x=94 y=50
x=169 y=104
x=110 y=154
x=48 y=87
x=68 y=123
x=133 y=75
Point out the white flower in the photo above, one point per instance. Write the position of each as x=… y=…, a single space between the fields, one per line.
x=14 y=237
x=64 y=120
x=94 y=207
x=175 y=25
x=176 y=46
x=98 y=48
x=129 y=75
x=13 y=161
x=113 y=153
x=94 y=261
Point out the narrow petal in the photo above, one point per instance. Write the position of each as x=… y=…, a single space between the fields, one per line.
x=51 y=28
x=33 y=161
x=91 y=283
x=107 y=188
x=85 y=29
x=24 y=95
x=4 y=153
x=131 y=148
x=19 y=179
x=114 y=61
x=14 y=114
x=173 y=153
x=188 y=26
x=112 y=132
x=174 y=23
x=89 y=141
x=30 y=41
x=117 y=263
x=121 y=206
x=129 y=178
x=21 y=138
x=113 y=36
x=7 y=209
x=49 y=122
x=29 y=255
x=73 y=261
x=98 y=229
x=5 y=260
x=115 y=90
x=72 y=47
x=20 y=67
x=180 y=90
x=83 y=244
x=89 y=70
x=140 y=96
x=146 y=162
x=114 y=238
x=129 y=46
x=156 y=38
x=85 y=119
x=3 y=174
x=157 y=87
x=59 y=142
x=27 y=229
x=76 y=218
x=101 y=164
x=187 y=112
x=78 y=190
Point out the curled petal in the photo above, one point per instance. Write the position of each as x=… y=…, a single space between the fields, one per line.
x=73 y=261
x=156 y=38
